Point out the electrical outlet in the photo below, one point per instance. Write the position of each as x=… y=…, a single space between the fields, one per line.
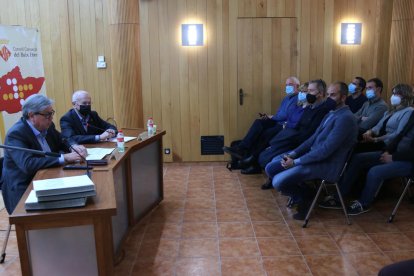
x=167 y=151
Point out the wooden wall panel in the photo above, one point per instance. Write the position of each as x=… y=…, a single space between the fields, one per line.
x=73 y=33
x=207 y=83
x=401 y=58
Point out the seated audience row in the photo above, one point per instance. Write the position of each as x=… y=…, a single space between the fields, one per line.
x=382 y=140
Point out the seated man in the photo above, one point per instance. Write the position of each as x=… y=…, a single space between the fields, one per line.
x=372 y=110
x=396 y=161
x=321 y=156
x=83 y=125
x=249 y=164
x=35 y=130
x=357 y=98
x=289 y=139
x=272 y=124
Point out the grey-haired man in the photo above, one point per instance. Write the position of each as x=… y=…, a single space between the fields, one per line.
x=35 y=130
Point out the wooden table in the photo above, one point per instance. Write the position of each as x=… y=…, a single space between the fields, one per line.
x=85 y=241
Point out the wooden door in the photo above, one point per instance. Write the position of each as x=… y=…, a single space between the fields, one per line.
x=266 y=56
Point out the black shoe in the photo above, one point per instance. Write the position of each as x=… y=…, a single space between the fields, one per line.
x=330 y=202
x=303 y=209
x=268 y=185
x=356 y=208
x=247 y=162
x=252 y=170
x=236 y=152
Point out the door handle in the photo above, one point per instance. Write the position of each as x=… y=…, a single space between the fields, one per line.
x=241 y=95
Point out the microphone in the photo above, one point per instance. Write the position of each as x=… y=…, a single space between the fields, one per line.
x=72 y=167
x=37 y=152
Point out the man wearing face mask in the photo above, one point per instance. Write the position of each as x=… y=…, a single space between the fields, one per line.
x=82 y=125
x=321 y=156
x=373 y=109
x=249 y=164
x=268 y=125
x=288 y=139
x=356 y=98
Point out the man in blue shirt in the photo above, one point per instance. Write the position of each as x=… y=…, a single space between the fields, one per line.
x=268 y=125
x=35 y=130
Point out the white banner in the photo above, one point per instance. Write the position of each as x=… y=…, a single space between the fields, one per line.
x=21 y=72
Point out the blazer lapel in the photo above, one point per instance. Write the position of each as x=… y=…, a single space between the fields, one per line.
x=29 y=133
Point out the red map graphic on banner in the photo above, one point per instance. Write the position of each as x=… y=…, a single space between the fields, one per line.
x=14 y=89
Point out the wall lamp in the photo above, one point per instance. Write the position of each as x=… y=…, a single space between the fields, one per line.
x=192 y=35
x=351 y=33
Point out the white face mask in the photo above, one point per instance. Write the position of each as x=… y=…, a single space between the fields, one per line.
x=395 y=100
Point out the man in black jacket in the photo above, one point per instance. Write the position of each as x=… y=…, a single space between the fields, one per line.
x=83 y=125
x=35 y=130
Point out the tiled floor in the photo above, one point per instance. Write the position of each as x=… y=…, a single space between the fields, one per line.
x=216 y=222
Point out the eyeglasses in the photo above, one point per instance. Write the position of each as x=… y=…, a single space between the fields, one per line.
x=47 y=115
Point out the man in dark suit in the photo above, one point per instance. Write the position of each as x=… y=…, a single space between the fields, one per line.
x=321 y=156
x=35 y=130
x=83 y=125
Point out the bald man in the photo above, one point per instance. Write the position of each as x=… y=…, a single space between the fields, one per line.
x=82 y=125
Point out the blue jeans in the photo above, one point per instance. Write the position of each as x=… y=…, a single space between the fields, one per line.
x=290 y=182
x=377 y=173
x=274 y=167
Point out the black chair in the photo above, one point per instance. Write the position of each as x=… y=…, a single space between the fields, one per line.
x=3 y=251
x=408 y=182
x=324 y=185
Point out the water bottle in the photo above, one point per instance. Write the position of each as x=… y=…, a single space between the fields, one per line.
x=120 y=141
x=150 y=127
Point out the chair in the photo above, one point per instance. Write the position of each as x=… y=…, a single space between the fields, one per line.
x=324 y=185
x=3 y=251
x=408 y=183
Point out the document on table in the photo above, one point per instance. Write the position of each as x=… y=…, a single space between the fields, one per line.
x=126 y=139
x=98 y=153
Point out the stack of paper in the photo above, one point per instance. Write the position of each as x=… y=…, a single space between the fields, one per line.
x=64 y=192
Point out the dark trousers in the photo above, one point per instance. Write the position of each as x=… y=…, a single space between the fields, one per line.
x=256 y=130
x=263 y=141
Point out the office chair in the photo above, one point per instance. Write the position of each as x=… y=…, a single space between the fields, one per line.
x=323 y=185
x=3 y=251
x=409 y=181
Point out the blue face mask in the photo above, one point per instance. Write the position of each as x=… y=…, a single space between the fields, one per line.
x=289 y=89
x=351 y=88
x=301 y=96
x=370 y=94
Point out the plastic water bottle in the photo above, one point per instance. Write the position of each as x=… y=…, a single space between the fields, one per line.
x=120 y=141
x=150 y=127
